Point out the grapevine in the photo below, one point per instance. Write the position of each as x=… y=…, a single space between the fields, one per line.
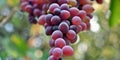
x=62 y=19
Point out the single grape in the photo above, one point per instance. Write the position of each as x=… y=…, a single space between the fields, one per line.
x=53 y=6
x=67 y=50
x=48 y=19
x=74 y=11
x=57 y=34
x=63 y=27
x=88 y=8
x=55 y=20
x=57 y=52
x=64 y=7
x=57 y=11
x=29 y=8
x=51 y=43
x=76 y=20
x=71 y=35
x=41 y=20
x=64 y=14
x=82 y=14
x=37 y=12
x=48 y=30
x=60 y=42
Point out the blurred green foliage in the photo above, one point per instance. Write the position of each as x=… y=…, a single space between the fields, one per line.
x=115 y=13
x=20 y=40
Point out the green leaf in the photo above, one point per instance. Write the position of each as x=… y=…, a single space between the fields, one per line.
x=114 y=19
x=20 y=43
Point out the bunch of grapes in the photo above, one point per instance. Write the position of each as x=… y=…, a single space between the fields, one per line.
x=62 y=19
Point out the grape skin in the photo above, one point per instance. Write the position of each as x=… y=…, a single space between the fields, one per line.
x=41 y=20
x=53 y=6
x=73 y=11
x=57 y=52
x=60 y=43
x=67 y=50
x=64 y=14
x=63 y=27
x=57 y=34
x=71 y=35
x=76 y=20
x=55 y=20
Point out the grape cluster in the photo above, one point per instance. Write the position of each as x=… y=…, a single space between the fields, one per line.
x=63 y=22
x=62 y=19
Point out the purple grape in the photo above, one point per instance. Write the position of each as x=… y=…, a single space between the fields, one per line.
x=63 y=27
x=55 y=20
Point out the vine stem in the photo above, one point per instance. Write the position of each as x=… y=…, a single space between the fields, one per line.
x=4 y=21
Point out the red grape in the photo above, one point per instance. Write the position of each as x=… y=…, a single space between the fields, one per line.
x=41 y=20
x=67 y=50
x=57 y=11
x=48 y=30
x=63 y=27
x=48 y=19
x=71 y=35
x=64 y=14
x=74 y=11
x=57 y=34
x=60 y=43
x=28 y=8
x=55 y=20
x=51 y=43
x=53 y=6
x=64 y=7
x=37 y=12
x=76 y=20
x=82 y=14
x=57 y=52
x=88 y=8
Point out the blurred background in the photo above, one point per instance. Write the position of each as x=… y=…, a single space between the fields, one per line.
x=20 y=40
